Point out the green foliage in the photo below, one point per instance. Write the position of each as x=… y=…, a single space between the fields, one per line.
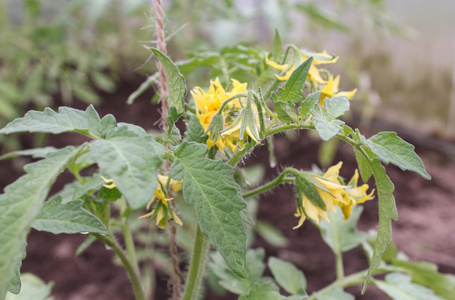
x=340 y=234
x=271 y=234
x=70 y=217
x=293 y=88
x=391 y=148
x=32 y=288
x=177 y=88
x=325 y=119
x=334 y=294
x=19 y=206
x=399 y=287
x=285 y=111
x=208 y=185
x=288 y=276
x=194 y=131
x=132 y=162
x=308 y=103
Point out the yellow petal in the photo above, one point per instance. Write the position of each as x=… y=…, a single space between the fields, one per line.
x=274 y=64
x=349 y=95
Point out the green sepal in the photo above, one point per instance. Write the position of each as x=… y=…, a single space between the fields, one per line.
x=208 y=185
x=215 y=127
x=325 y=119
x=305 y=185
x=177 y=85
x=293 y=89
x=57 y=217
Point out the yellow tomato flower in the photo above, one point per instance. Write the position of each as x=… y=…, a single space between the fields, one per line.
x=331 y=89
x=313 y=73
x=209 y=103
x=354 y=195
x=109 y=183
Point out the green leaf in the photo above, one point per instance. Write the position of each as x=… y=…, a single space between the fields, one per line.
x=264 y=289
x=76 y=190
x=271 y=234
x=399 y=287
x=132 y=162
x=149 y=82
x=277 y=49
x=85 y=244
x=322 y=18
x=20 y=204
x=173 y=133
x=426 y=274
x=177 y=86
x=391 y=148
x=195 y=132
x=364 y=166
x=310 y=101
x=65 y=120
x=325 y=120
x=288 y=276
x=16 y=285
x=334 y=294
x=208 y=185
x=293 y=89
x=285 y=112
x=232 y=282
x=35 y=153
x=70 y=217
x=387 y=211
x=341 y=235
x=32 y=288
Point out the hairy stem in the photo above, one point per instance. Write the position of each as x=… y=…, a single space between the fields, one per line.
x=129 y=242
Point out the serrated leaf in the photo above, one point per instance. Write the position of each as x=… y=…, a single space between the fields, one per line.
x=232 y=282
x=70 y=217
x=208 y=185
x=399 y=287
x=67 y=119
x=341 y=235
x=132 y=162
x=391 y=148
x=293 y=89
x=325 y=120
x=176 y=82
x=33 y=288
x=194 y=131
x=20 y=204
x=264 y=289
x=310 y=101
x=387 y=212
x=426 y=274
x=334 y=294
x=76 y=190
x=288 y=276
x=285 y=112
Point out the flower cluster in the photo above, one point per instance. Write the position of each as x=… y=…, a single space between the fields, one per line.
x=209 y=103
x=328 y=87
x=333 y=192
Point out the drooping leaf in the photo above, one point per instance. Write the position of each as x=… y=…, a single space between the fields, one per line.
x=232 y=282
x=288 y=276
x=67 y=119
x=194 y=131
x=426 y=274
x=20 y=204
x=341 y=235
x=325 y=120
x=293 y=89
x=387 y=212
x=32 y=288
x=176 y=82
x=391 y=148
x=132 y=162
x=285 y=112
x=399 y=287
x=334 y=294
x=309 y=103
x=208 y=185
x=70 y=217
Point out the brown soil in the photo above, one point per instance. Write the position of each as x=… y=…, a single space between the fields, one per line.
x=424 y=230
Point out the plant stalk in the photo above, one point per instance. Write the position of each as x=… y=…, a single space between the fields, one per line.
x=129 y=242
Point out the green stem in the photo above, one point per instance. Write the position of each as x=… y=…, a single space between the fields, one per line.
x=339 y=265
x=224 y=69
x=128 y=237
x=197 y=266
x=239 y=154
x=271 y=88
x=130 y=269
x=267 y=186
x=353 y=279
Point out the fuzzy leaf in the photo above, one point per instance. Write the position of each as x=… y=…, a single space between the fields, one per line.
x=35 y=153
x=177 y=86
x=339 y=234
x=293 y=89
x=364 y=167
x=334 y=294
x=391 y=148
x=285 y=112
x=387 y=212
x=19 y=206
x=309 y=103
x=132 y=162
x=195 y=132
x=288 y=276
x=65 y=120
x=69 y=217
x=325 y=120
x=399 y=287
x=208 y=185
